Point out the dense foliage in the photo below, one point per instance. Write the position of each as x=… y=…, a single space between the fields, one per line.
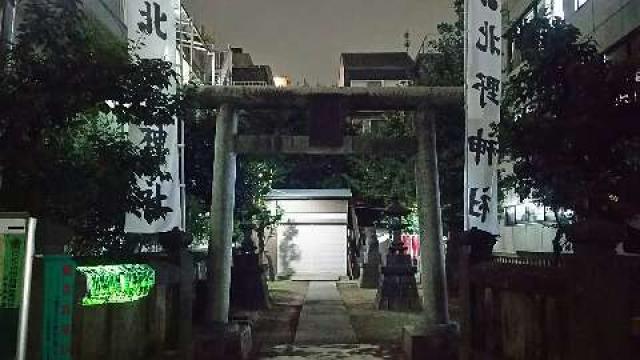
x=571 y=125
x=67 y=91
x=442 y=64
x=254 y=180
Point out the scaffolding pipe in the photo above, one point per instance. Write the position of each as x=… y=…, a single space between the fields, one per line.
x=191 y=50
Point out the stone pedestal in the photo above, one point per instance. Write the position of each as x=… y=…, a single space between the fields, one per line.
x=438 y=342
x=248 y=283
x=370 y=275
x=397 y=289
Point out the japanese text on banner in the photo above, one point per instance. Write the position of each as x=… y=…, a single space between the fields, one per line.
x=483 y=74
x=151 y=26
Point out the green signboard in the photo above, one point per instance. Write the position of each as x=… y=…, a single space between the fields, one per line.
x=107 y=284
x=59 y=281
x=11 y=269
x=12 y=248
x=17 y=232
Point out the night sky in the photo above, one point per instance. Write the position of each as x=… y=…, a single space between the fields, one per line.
x=304 y=38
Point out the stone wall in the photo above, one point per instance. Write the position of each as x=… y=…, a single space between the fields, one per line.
x=143 y=329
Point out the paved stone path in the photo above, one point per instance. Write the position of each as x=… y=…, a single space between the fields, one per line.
x=324 y=318
x=324 y=330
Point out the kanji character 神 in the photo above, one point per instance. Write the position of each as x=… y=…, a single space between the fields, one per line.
x=481 y=146
x=154 y=137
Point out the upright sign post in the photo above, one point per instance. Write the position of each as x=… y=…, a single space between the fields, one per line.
x=483 y=85
x=17 y=243
x=59 y=283
x=151 y=26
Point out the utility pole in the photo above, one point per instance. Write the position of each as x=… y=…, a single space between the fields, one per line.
x=7 y=36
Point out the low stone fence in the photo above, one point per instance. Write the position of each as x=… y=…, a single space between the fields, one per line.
x=537 y=306
x=150 y=327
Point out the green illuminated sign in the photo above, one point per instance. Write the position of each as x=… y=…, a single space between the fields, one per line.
x=108 y=284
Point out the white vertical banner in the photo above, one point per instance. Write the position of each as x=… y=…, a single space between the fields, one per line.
x=483 y=85
x=151 y=26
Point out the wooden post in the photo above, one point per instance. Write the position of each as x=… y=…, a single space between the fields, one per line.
x=222 y=203
x=428 y=194
x=186 y=305
x=464 y=294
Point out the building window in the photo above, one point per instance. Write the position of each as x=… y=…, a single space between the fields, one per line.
x=579 y=3
x=528 y=213
x=510 y=216
x=549 y=215
x=250 y=83
x=374 y=83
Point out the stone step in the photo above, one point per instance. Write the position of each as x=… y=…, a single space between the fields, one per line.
x=327 y=352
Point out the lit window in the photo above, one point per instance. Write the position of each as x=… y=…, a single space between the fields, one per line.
x=579 y=3
x=374 y=83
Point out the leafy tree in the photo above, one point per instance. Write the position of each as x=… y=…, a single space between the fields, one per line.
x=441 y=60
x=67 y=92
x=570 y=129
x=378 y=178
x=255 y=178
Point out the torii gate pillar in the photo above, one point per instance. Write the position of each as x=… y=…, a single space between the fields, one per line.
x=436 y=338
x=222 y=204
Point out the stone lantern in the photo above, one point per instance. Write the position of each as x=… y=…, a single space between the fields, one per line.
x=397 y=289
x=395 y=212
x=370 y=276
x=248 y=281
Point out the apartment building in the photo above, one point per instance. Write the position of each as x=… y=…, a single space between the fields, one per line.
x=375 y=69
x=245 y=73
x=615 y=26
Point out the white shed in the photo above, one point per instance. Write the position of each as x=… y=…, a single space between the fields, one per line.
x=311 y=239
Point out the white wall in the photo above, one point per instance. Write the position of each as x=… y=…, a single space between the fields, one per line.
x=311 y=239
x=310 y=206
x=526 y=237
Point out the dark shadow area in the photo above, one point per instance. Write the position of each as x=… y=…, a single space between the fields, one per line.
x=277 y=325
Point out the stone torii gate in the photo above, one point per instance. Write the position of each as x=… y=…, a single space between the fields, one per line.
x=425 y=101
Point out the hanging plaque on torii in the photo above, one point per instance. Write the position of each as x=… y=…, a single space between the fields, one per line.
x=326 y=126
